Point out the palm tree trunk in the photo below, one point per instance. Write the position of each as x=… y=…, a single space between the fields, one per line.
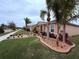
x=48 y=23
x=44 y=28
x=48 y=30
x=26 y=26
x=57 y=32
x=64 y=32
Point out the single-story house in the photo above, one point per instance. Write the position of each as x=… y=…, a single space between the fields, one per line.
x=71 y=29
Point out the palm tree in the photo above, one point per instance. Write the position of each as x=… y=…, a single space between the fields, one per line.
x=55 y=7
x=42 y=15
x=27 y=21
x=51 y=5
x=62 y=11
x=67 y=11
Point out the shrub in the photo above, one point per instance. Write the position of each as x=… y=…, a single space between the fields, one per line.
x=35 y=31
x=12 y=25
x=1 y=30
x=52 y=35
x=44 y=33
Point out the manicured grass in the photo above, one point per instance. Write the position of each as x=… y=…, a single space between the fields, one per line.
x=23 y=32
x=29 y=48
x=32 y=48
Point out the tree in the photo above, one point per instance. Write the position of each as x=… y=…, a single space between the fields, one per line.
x=12 y=25
x=3 y=25
x=62 y=10
x=1 y=30
x=42 y=14
x=67 y=10
x=27 y=21
x=55 y=7
x=51 y=5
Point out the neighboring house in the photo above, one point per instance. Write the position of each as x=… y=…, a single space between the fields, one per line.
x=71 y=29
x=7 y=29
x=30 y=26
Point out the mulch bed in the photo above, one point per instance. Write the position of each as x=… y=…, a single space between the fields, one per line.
x=62 y=47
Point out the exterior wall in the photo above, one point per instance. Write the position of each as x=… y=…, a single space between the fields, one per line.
x=51 y=28
x=37 y=28
x=44 y=28
x=72 y=30
x=55 y=28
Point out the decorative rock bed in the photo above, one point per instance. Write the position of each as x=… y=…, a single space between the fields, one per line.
x=15 y=36
x=51 y=43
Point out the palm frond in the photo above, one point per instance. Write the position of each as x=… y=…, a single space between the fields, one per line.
x=27 y=20
x=73 y=18
x=42 y=14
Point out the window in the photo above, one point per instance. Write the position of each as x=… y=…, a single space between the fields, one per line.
x=52 y=30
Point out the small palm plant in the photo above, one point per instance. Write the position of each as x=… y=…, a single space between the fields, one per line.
x=42 y=14
x=27 y=21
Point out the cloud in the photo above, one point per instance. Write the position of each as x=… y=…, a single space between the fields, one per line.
x=16 y=10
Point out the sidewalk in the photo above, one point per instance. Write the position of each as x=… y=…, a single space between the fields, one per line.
x=4 y=37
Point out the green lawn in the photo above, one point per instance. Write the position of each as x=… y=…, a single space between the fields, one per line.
x=23 y=32
x=31 y=48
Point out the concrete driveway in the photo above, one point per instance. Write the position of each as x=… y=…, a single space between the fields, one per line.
x=4 y=37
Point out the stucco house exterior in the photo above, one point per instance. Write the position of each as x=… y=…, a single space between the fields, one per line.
x=71 y=29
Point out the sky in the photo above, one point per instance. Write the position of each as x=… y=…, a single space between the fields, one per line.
x=16 y=10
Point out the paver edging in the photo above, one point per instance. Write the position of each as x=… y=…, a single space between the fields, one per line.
x=68 y=50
